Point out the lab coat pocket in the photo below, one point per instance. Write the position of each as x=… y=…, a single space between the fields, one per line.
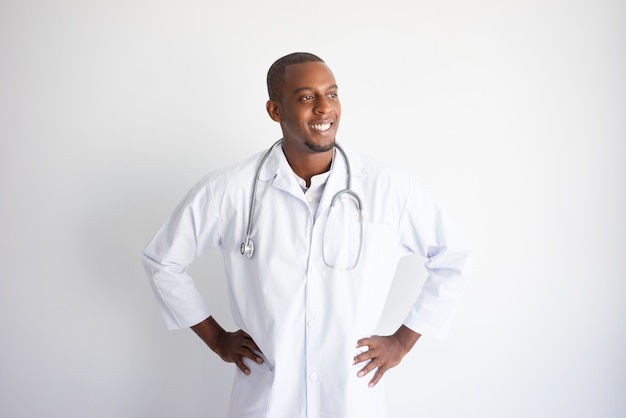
x=343 y=235
x=342 y=245
x=379 y=240
x=348 y=245
x=251 y=393
x=378 y=255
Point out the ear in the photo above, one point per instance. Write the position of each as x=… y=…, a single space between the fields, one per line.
x=273 y=109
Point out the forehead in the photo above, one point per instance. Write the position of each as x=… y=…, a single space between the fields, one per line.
x=313 y=75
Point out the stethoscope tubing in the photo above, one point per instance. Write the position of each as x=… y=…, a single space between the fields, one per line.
x=247 y=247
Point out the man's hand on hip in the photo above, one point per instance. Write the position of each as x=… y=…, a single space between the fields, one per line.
x=384 y=352
x=232 y=347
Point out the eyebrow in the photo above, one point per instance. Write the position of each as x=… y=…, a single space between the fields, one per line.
x=299 y=89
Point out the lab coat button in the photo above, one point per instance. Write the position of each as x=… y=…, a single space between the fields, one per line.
x=311 y=323
x=313 y=376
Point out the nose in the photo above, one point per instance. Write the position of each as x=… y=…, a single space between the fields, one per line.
x=322 y=105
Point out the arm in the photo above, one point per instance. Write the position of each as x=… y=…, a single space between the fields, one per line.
x=191 y=230
x=426 y=231
x=232 y=347
x=385 y=352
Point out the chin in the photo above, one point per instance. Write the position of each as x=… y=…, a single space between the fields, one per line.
x=320 y=147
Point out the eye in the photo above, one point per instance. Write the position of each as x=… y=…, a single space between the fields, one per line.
x=333 y=95
x=306 y=98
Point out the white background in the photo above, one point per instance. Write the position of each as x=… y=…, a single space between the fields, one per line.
x=512 y=113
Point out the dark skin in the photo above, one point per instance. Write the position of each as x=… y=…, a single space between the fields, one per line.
x=232 y=347
x=308 y=111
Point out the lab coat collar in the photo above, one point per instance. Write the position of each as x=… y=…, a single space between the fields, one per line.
x=274 y=164
x=277 y=165
x=277 y=168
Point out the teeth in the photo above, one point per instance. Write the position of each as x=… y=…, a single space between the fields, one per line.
x=321 y=126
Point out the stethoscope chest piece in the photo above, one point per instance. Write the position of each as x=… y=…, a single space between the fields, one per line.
x=247 y=248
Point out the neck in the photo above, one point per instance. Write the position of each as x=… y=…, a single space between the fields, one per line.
x=310 y=164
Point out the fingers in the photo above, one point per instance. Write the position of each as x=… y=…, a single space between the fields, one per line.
x=374 y=364
x=252 y=355
x=374 y=361
x=243 y=346
x=368 y=355
x=241 y=365
x=364 y=342
x=251 y=344
x=250 y=349
x=379 y=374
x=380 y=356
x=245 y=353
x=372 y=350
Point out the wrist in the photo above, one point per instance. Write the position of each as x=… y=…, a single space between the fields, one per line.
x=211 y=333
x=406 y=337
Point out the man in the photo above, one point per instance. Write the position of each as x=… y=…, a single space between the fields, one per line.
x=307 y=284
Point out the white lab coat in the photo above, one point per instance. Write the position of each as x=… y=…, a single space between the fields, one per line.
x=303 y=315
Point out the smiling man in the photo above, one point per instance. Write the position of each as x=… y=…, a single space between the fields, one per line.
x=323 y=229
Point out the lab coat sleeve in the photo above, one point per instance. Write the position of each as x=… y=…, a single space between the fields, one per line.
x=427 y=231
x=192 y=229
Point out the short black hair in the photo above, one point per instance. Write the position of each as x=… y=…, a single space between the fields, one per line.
x=277 y=70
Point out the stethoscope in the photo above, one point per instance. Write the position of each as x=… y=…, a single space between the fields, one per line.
x=247 y=247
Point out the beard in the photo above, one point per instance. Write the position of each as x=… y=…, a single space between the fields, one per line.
x=320 y=148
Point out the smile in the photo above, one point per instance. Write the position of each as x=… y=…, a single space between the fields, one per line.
x=320 y=126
